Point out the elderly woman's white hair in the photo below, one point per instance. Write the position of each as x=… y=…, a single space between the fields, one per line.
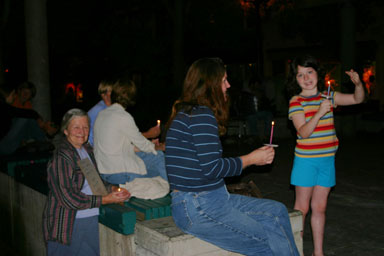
x=70 y=115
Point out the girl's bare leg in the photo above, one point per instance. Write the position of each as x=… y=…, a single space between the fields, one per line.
x=318 y=207
x=302 y=200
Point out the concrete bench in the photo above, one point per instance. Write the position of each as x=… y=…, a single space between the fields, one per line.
x=161 y=237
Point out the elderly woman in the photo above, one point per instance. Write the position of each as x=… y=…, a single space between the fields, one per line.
x=70 y=219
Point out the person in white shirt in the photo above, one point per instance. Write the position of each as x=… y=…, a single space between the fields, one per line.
x=122 y=152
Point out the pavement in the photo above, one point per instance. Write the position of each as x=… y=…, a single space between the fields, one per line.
x=355 y=211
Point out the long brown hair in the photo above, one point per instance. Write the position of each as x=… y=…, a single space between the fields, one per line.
x=202 y=87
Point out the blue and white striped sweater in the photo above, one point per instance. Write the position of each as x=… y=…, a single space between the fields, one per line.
x=193 y=153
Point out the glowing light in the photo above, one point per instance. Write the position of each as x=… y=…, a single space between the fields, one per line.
x=75 y=90
x=368 y=78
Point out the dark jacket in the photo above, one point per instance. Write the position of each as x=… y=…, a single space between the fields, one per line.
x=9 y=112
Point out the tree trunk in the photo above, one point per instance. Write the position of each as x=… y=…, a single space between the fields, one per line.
x=37 y=54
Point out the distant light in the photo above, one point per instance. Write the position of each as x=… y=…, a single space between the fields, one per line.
x=6 y=70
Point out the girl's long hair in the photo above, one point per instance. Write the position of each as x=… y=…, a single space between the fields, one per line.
x=202 y=87
x=305 y=61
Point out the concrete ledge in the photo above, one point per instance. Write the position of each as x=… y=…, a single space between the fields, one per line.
x=114 y=243
x=161 y=237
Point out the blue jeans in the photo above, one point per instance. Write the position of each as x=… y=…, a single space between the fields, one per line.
x=22 y=129
x=85 y=240
x=155 y=165
x=246 y=225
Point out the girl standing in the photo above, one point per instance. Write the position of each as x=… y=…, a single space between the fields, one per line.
x=311 y=111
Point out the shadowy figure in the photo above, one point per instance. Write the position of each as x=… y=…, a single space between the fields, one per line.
x=25 y=92
x=257 y=109
x=19 y=126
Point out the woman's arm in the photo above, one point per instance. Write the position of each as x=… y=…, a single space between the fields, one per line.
x=63 y=184
x=132 y=132
x=260 y=156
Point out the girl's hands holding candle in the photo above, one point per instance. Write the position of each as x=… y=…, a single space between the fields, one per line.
x=325 y=107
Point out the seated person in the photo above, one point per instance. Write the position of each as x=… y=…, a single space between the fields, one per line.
x=104 y=90
x=19 y=126
x=70 y=218
x=25 y=92
x=122 y=152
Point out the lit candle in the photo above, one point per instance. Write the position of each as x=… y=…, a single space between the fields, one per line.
x=270 y=139
x=119 y=189
x=158 y=122
x=329 y=88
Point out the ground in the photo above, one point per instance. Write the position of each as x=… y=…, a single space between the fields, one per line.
x=356 y=204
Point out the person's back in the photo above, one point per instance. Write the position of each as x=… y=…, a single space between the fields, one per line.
x=104 y=90
x=115 y=134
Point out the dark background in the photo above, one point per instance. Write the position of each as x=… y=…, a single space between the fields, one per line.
x=94 y=39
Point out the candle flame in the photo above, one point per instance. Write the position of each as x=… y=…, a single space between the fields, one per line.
x=119 y=189
x=158 y=122
x=329 y=82
x=273 y=123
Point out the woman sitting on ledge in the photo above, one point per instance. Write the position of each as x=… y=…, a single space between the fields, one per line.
x=70 y=219
x=201 y=204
